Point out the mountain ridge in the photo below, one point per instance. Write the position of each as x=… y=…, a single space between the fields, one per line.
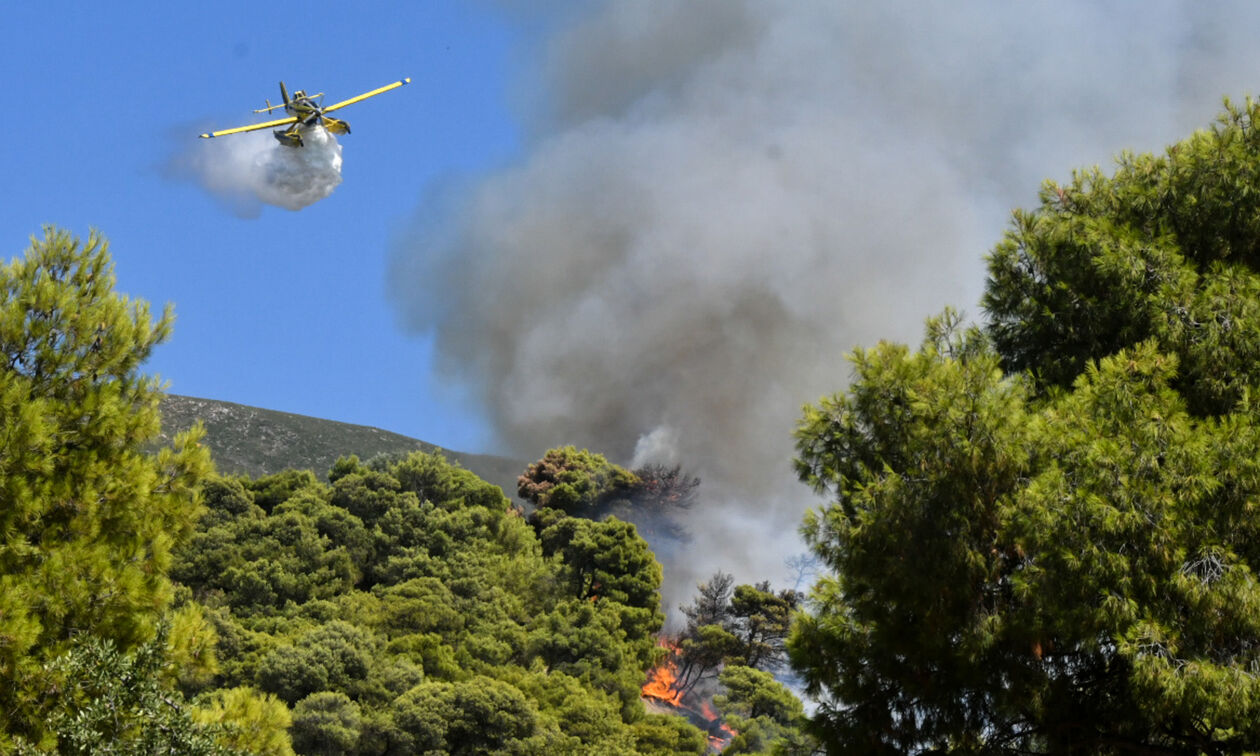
x=253 y=441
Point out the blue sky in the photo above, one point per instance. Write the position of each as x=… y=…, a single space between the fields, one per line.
x=287 y=310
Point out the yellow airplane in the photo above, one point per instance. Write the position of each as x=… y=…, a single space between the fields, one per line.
x=305 y=111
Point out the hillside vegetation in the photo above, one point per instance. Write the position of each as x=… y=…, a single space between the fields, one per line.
x=404 y=607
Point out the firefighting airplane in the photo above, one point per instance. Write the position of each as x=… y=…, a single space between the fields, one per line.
x=305 y=111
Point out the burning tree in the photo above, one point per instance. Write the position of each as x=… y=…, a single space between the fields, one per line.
x=663 y=690
x=571 y=482
x=743 y=625
x=662 y=486
x=739 y=631
x=662 y=680
x=663 y=490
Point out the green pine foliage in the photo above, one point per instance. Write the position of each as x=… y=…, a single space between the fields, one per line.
x=247 y=721
x=1165 y=249
x=88 y=516
x=406 y=607
x=763 y=715
x=1043 y=535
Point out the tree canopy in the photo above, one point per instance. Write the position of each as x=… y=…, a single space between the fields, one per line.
x=406 y=607
x=88 y=514
x=733 y=625
x=1043 y=533
x=574 y=481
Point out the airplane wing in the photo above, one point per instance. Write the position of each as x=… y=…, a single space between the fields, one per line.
x=366 y=95
x=253 y=127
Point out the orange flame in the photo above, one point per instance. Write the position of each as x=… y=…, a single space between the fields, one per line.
x=720 y=742
x=662 y=678
x=722 y=738
x=660 y=686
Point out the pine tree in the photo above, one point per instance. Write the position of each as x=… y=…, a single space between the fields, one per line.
x=87 y=514
x=1043 y=536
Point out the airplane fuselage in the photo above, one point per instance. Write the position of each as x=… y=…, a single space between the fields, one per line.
x=308 y=114
x=303 y=108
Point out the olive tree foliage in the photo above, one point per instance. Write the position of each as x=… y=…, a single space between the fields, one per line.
x=1042 y=535
x=115 y=703
x=88 y=515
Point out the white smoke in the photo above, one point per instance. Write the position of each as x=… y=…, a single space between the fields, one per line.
x=660 y=447
x=718 y=198
x=248 y=170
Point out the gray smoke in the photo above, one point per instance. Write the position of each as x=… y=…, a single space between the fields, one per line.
x=246 y=171
x=718 y=199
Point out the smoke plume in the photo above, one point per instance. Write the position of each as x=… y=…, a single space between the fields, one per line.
x=246 y=171
x=718 y=199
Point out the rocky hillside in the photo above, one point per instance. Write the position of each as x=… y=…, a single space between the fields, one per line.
x=252 y=441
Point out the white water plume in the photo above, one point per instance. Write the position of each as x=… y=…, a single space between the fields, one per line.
x=248 y=170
